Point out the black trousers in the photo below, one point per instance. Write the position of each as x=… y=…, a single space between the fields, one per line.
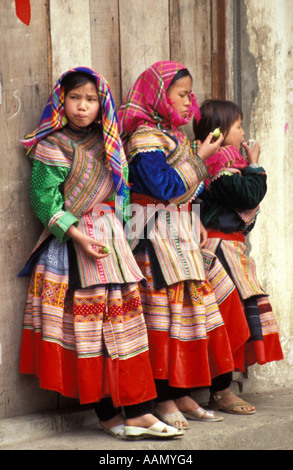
x=105 y=409
x=165 y=392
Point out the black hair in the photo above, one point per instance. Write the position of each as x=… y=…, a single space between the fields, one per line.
x=180 y=74
x=216 y=113
x=76 y=79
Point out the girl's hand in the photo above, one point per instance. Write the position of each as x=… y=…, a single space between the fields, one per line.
x=210 y=146
x=252 y=154
x=203 y=235
x=91 y=247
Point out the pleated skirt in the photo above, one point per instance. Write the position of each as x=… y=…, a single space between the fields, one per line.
x=85 y=343
x=189 y=341
x=263 y=343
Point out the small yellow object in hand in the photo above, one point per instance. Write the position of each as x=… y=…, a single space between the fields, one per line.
x=106 y=249
x=216 y=133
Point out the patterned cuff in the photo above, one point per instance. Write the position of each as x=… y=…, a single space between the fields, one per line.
x=193 y=171
x=60 y=223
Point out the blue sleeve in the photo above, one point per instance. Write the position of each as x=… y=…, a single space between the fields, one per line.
x=150 y=174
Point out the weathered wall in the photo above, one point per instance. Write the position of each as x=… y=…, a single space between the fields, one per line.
x=266 y=63
x=116 y=39
x=24 y=91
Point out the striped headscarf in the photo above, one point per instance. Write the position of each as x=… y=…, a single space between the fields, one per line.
x=148 y=103
x=54 y=118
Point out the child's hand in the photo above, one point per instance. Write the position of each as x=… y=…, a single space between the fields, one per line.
x=210 y=146
x=203 y=236
x=91 y=247
x=252 y=154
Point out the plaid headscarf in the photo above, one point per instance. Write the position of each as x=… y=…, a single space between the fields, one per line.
x=227 y=157
x=148 y=102
x=54 y=118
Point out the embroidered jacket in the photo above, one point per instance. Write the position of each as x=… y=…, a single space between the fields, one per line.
x=172 y=174
x=232 y=201
x=71 y=184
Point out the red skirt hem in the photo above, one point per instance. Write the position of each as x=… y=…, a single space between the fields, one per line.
x=237 y=328
x=174 y=360
x=263 y=352
x=88 y=379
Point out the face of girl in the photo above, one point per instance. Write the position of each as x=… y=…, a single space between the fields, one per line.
x=179 y=94
x=82 y=105
x=235 y=135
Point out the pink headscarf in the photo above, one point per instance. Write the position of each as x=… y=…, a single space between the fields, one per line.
x=148 y=102
x=227 y=158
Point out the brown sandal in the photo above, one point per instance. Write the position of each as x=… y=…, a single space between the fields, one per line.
x=237 y=407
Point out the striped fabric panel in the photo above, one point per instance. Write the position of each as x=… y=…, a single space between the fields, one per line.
x=147 y=139
x=176 y=247
x=190 y=195
x=218 y=278
x=48 y=152
x=44 y=307
x=173 y=235
x=192 y=172
x=191 y=169
x=213 y=316
x=187 y=310
x=89 y=181
x=110 y=318
x=267 y=318
x=119 y=266
x=87 y=320
x=249 y=216
x=243 y=269
x=210 y=247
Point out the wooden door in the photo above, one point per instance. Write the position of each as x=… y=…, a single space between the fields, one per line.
x=40 y=40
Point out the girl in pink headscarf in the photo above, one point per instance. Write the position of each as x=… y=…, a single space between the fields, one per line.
x=184 y=285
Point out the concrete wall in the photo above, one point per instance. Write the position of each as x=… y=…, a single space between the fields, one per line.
x=114 y=38
x=266 y=81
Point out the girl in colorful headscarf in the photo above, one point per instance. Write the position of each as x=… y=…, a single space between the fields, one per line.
x=188 y=341
x=230 y=205
x=84 y=331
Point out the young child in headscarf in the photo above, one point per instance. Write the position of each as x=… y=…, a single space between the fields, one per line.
x=188 y=341
x=84 y=331
x=230 y=204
